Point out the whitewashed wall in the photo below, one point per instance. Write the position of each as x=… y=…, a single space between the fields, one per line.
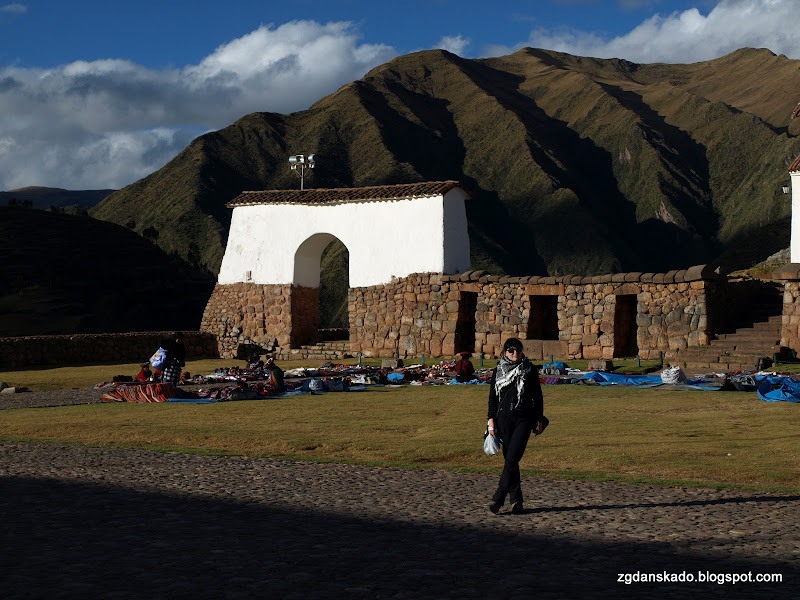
x=282 y=243
x=794 y=244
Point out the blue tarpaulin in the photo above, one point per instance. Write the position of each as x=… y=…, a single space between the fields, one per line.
x=557 y=364
x=602 y=378
x=789 y=390
x=193 y=400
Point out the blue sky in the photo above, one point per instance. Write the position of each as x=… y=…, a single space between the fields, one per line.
x=100 y=94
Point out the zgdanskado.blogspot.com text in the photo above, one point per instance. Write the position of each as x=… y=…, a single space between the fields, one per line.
x=699 y=577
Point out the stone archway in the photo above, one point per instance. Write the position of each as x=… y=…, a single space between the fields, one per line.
x=269 y=278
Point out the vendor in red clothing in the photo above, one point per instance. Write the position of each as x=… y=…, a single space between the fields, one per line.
x=463 y=368
x=145 y=374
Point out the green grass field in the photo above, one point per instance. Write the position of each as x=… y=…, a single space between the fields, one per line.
x=655 y=435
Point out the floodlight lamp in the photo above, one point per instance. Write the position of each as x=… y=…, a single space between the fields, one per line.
x=312 y=158
x=786 y=189
x=301 y=162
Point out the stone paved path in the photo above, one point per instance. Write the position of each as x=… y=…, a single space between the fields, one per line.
x=117 y=523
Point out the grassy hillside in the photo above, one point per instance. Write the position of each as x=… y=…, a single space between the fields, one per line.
x=70 y=274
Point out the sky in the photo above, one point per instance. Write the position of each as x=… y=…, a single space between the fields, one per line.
x=99 y=94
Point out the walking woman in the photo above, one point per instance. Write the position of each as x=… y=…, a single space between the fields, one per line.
x=515 y=410
x=176 y=358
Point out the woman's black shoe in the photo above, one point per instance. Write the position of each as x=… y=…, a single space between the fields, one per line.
x=494 y=507
x=516 y=508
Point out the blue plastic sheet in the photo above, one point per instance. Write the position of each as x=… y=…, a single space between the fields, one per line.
x=602 y=378
x=193 y=400
x=556 y=364
x=788 y=390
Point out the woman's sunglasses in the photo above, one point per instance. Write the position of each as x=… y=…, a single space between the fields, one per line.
x=514 y=351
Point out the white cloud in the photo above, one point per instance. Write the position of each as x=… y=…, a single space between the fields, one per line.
x=683 y=37
x=107 y=123
x=15 y=8
x=454 y=43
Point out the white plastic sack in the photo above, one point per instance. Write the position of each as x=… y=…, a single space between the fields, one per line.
x=491 y=445
x=673 y=375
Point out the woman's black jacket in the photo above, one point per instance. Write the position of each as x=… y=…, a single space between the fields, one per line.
x=532 y=405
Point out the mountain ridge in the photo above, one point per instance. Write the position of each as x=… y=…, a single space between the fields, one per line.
x=41 y=197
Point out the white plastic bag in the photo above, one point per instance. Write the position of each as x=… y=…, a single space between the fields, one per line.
x=673 y=375
x=491 y=445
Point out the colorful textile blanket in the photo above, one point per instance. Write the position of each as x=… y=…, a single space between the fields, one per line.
x=554 y=380
x=145 y=392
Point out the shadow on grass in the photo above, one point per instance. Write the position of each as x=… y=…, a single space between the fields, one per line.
x=66 y=540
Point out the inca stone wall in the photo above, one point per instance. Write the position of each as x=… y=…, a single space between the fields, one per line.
x=790 y=323
x=440 y=315
x=790 y=328
x=95 y=348
x=262 y=317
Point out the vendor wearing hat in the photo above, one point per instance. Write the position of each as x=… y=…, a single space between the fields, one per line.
x=463 y=367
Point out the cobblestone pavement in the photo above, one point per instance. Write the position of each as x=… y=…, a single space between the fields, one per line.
x=119 y=523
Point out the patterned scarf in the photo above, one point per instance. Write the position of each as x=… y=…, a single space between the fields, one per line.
x=511 y=372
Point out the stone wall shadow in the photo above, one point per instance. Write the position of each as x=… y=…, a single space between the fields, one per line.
x=67 y=540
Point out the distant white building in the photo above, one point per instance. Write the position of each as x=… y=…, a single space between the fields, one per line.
x=278 y=236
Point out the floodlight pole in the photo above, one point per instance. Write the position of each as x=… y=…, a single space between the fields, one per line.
x=301 y=162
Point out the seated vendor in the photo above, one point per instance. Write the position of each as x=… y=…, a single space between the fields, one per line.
x=145 y=374
x=463 y=368
x=275 y=375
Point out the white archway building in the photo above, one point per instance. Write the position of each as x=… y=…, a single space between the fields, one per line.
x=278 y=236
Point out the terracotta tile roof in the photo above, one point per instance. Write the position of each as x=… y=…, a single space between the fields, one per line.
x=340 y=195
x=795 y=166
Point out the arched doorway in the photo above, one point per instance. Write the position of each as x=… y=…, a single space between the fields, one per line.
x=334 y=281
x=319 y=288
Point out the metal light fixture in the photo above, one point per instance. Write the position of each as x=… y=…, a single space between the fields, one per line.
x=785 y=189
x=301 y=162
